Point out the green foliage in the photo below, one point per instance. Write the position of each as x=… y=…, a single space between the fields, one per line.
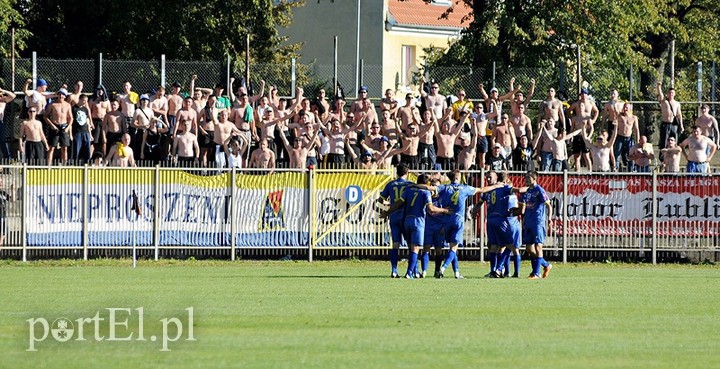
x=612 y=35
x=11 y=18
x=138 y=29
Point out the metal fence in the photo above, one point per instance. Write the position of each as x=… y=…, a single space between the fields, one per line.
x=88 y=211
x=697 y=82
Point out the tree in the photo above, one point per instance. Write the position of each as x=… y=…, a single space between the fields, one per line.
x=135 y=29
x=11 y=18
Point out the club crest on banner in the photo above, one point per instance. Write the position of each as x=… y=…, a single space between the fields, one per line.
x=272 y=213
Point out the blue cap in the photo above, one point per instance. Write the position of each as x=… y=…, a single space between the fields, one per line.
x=384 y=138
x=584 y=91
x=367 y=153
x=363 y=88
x=41 y=82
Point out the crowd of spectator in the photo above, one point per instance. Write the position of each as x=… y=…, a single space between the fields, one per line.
x=204 y=127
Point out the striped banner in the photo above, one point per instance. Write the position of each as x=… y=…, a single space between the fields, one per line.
x=194 y=210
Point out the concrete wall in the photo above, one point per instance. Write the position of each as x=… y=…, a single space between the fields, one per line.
x=315 y=24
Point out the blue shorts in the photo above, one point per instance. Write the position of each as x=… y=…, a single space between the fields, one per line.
x=396 y=229
x=434 y=234
x=695 y=167
x=504 y=231
x=533 y=234
x=415 y=231
x=454 y=227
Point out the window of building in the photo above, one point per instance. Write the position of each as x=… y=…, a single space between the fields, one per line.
x=408 y=64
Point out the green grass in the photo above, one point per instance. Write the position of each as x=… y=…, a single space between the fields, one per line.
x=349 y=314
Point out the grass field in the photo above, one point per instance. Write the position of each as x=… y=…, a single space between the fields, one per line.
x=349 y=314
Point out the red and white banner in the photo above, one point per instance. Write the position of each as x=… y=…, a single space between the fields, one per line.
x=621 y=205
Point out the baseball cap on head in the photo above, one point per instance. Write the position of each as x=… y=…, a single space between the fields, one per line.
x=584 y=91
x=62 y=91
x=363 y=89
x=176 y=84
x=41 y=82
x=494 y=89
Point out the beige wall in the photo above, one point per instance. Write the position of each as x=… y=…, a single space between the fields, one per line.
x=392 y=51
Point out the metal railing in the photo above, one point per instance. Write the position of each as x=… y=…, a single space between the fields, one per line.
x=87 y=211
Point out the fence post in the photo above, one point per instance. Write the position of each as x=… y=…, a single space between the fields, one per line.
x=293 y=78
x=99 y=69
x=564 y=216
x=34 y=69
x=493 y=75
x=233 y=244
x=482 y=222
x=335 y=65
x=632 y=82
x=156 y=213
x=362 y=77
x=86 y=223
x=23 y=213
x=699 y=85
x=162 y=69
x=712 y=88
x=654 y=217
x=310 y=211
x=228 y=75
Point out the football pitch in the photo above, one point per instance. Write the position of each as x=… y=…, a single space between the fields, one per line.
x=350 y=314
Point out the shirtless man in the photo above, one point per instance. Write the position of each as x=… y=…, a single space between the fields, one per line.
x=504 y=134
x=697 y=154
x=521 y=123
x=369 y=116
x=206 y=128
x=426 y=148
x=59 y=119
x=671 y=156
x=585 y=115
x=242 y=90
x=99 y=106
x=299 y=150
x=358 y=105
x=243 y=118
x=600 y=151
x=159 y=105
x=372 y=138
x=262 y=157
x=224 y=132
x=708 y=124
x=642 y=155
x=113 y=124
x=558 y=147
x=445 y=134
x=198 y=96
x=127 y=99
x=434 y=100
x=466 y=156
x=482 y=141
x=35 y=144
x=389 y=103
x=365 y=161
x=545 y=145
x=610 y=110
x=671 y=115
x=337 y=135
x=552 y=109
x=321 y=101
x=628 y=127
x=174 y=103
x=121 y=155
x=185 y=149
x=74 y=97
x=389 y=127
x=519 y=99
x=411 y=142
x=187 y=112
x=408 y=113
